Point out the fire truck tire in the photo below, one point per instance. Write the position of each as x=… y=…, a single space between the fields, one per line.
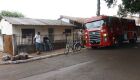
x=94 y=47
x=118 y=42
x=133 y=41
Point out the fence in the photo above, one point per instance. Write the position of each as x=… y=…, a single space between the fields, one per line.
x=14 y=44
x=26 y=43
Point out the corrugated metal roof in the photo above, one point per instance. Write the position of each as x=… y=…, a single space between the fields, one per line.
x=77 y=19
x=30 y=21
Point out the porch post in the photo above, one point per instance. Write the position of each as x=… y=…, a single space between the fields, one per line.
x=14 y=44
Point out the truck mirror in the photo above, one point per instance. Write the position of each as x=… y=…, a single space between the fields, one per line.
x=104 y=23
x=84 y=27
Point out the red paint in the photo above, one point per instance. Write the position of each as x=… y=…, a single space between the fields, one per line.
x=107 y=34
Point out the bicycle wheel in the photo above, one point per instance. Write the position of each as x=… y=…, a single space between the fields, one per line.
x=77 y=47
x=51 y=47
x=67 y=49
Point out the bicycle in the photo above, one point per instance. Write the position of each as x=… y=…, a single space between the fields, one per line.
x=74 y=46
x=50 y=46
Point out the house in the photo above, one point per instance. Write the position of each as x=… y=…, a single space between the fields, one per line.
x=19 y=31
x=77 y=21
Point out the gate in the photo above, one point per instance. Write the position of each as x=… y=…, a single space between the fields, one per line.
x=7 y=44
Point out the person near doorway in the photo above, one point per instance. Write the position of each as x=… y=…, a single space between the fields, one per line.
x=46 y=43
x=37 y=40
x=79 y=35
x=82 y=39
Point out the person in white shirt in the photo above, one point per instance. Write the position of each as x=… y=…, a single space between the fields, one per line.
x=78 y=35
x=37 y=40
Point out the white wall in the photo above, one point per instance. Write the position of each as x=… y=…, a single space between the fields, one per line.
x=58 y=31
x=1 y=43
x=6 y=27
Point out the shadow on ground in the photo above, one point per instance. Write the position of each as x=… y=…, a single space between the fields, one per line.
x=125 y=45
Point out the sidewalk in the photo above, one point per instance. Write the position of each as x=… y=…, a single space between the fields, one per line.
x=34 y=56
x=47 y=53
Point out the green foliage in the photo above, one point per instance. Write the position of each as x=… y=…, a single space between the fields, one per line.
x=132 y=6
x=111 y=2
x=10 y=14
x=127 y=6
x=122 y=12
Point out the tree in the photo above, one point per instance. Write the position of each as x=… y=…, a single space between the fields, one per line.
x=111 y=3
x=132 y=6
x=10 y=14
x=122 y=12
x=129 y=6
x=98 y=8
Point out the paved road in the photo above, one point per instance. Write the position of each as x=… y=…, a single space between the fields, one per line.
x=99 y=64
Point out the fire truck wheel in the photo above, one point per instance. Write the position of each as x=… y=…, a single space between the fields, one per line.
x=94 y=47
x=132 y=41
x=135 y=38
x=117 y=43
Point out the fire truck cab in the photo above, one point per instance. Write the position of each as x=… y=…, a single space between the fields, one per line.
x=102 y=31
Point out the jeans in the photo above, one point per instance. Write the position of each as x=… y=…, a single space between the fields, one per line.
x=46 y=47
x=38 y=46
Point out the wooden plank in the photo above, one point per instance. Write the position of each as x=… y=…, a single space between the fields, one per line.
x=8 y=48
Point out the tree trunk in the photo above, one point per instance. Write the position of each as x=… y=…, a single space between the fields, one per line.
x=98 y=8
x=139 y=19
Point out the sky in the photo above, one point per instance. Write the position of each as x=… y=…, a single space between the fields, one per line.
x=52 y=9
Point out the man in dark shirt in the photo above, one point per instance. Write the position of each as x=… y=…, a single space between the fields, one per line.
x=46 y=43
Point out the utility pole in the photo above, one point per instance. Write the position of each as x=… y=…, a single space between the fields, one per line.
x=98 y=8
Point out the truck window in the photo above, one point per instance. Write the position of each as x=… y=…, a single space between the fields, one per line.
x=95 y=24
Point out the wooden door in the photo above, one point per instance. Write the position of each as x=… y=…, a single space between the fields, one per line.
x=8 y=48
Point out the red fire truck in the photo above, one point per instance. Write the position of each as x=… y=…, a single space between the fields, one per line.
x=102 y=31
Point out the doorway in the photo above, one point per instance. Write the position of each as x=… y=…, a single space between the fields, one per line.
x=51 y=34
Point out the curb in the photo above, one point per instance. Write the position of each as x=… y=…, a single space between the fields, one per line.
x=31 y=59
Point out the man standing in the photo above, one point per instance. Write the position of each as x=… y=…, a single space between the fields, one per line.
x=37 y=40
x=79 y=35
x=46 y=43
